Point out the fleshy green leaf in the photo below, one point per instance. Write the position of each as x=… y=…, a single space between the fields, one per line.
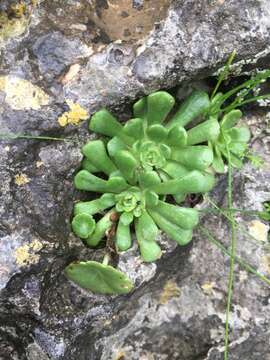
x=165 y=150
x=101 y=227
x=151 y=198
x=140 y=108
x=123 y=237
x=99 y=278
x=186 y=218
x=179 y=198
x=103 y=122
x=206 y=131
x=96 y=152
x=148 y=178
x=238 y=148
x=197 y=157
x=177 y=136
x=194 y=182
x=89 y=182
x=157 y=132
x=181 y=236
x=196 y=104
x=239 y=134
x=134 y=128
x=159 y=104
x=87 y=165
x=146 y=232
x=231 y=119
x=83 y=225
x=175 y=170
x=127 y=164
x=218 y=163
x=236 y=162
x=126 y=218
x=95 y=206
x=115 y=145
x=150 y=250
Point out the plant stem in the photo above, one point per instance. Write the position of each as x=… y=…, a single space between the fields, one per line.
x=235 y=105
x=223 y=74
x=240 y=261
x=232 y=254
x=106 y=259
x=30 y=137
x=223 y=212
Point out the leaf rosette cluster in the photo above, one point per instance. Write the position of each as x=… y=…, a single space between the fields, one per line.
x=140 y=167
x=142 y=163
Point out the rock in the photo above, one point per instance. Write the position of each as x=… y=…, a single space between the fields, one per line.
x=64 y=55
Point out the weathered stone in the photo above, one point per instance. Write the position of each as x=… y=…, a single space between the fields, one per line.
x=177 y=308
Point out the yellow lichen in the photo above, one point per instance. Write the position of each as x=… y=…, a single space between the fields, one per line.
x=21 y=179
x=26 y=254
x=170 y=291
x=259 y=230
x=10 y=28
x=63 y=120
x=39 y=164
x=120 y=355
x=74 y=116
x=21 y=94
x=19 y=9
x=2 y=83
x=266 y=263
x=208 y=288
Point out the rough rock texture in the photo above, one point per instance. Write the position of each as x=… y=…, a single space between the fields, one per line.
x=53 y=51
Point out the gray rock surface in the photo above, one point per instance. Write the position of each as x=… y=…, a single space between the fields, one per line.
x=53 y=51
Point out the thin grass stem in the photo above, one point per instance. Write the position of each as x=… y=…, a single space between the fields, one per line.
x=232 y=255
x=223 y=74
x=30 y=137
x=245 y=265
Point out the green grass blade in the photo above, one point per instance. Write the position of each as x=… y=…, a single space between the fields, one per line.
x=236 y=104
x=245 y=265
x=30 y=137
x=250 y=238
x=223 y=74
x=232 y=255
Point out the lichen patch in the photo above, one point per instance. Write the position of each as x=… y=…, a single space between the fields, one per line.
x=208 y=288
x=21 y=179
x=21 y=94
x=39 y=164
x=259 y=230
x=14 y=22
x=170 y=291
x=26 y=254
x=74 y=116
x=266 y=263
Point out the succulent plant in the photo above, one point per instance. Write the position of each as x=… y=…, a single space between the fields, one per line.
x=134 y=167
x=144 y=161
x=233 y=139
x=141 y=166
